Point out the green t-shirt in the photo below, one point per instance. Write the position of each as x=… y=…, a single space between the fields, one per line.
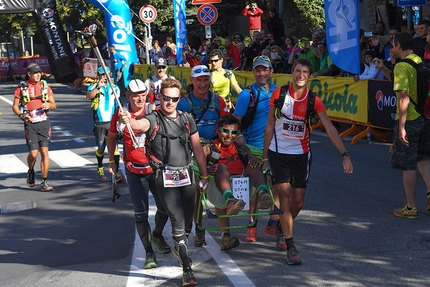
x=311 y=57
x=405 y=79
x=325 y=62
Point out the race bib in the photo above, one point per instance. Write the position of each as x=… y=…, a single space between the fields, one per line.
x=293 y=129
x=176 y=178
x=38 y=115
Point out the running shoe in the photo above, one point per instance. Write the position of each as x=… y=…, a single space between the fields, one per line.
x=293 y=257
x=30 y=178
x=265 y=199
x=160 y=244
x=44 y=186
x=199 y=239
x=270 y=229
x=405 y=212
x=234 y=205
x=176 y=254
x=119 y=177
x=280 y=240
x=150 y=261
x=188 y=279
x=228 y=242
x=428 y=201
x=251 y=234
x=101 y=173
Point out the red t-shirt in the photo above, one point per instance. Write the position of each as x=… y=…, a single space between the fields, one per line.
x=230 y=157
x=254 y=18
x=132 y=154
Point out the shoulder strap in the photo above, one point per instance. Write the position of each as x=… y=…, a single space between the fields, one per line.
x=210 y=99
x=415 y=65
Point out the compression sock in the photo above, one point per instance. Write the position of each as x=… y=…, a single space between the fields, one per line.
x=116 y=159
x=289 y=242
x=181 y=245
x=144 y=231
x=227 y=194
x=262 y=187
x=99 y=158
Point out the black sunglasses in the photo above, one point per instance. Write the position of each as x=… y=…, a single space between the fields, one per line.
x=215 y=60
x=161 y=67
x=168 y=99
x=227 y=131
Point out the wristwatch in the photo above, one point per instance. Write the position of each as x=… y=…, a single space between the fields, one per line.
x=22 y=116
x=346 y=153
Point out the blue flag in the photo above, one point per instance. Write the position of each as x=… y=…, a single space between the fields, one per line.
x=343 y=33
x=180 y=28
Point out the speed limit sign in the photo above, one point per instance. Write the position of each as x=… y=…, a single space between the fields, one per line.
x=148 y=13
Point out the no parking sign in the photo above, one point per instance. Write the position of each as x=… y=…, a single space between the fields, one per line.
x=207 y=14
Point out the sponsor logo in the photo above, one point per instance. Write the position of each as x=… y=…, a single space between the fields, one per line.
x=48 y=12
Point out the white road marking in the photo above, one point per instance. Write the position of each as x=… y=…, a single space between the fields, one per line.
x=6 y=100
x=10 y=164
x=67 y=158
x=168 y=266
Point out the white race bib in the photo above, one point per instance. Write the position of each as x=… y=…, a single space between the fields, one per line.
x=293 y=129
x=175 y=178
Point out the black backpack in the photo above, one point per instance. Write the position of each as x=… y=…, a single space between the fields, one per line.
x=311 y=116
x=154 y=161
x=423 y=74
x=252 y=109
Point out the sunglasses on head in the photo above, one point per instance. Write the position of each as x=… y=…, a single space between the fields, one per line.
x=168 y=99
x=264 y=58
x=161 y=67
x=227 y=131
x=198 y=71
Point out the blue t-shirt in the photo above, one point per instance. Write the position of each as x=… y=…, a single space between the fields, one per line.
x=107 y=103
x=117 y=61
x=254 y=134
x=208 y=123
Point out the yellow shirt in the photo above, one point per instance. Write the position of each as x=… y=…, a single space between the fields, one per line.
x=405 y=79
x=221 y=85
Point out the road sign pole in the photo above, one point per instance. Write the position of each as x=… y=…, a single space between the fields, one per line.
x=148 y=41
x=208 y=31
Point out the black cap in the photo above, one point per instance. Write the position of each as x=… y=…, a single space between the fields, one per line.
x=34 y=68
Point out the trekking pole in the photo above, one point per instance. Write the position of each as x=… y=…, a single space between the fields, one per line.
x=89 y=34
x=115 y=191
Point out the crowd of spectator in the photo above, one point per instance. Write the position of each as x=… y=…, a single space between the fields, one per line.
x=238 y=50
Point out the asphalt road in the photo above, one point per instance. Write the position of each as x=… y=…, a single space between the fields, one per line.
x=75 y=236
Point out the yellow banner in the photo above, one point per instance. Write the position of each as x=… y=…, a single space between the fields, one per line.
x=343 y=97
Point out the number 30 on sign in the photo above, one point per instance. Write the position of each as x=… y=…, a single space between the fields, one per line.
x=148 y=13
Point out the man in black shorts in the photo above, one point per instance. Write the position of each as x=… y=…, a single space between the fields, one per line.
x=287 y=149
x=411 y=148
x=32 y=101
